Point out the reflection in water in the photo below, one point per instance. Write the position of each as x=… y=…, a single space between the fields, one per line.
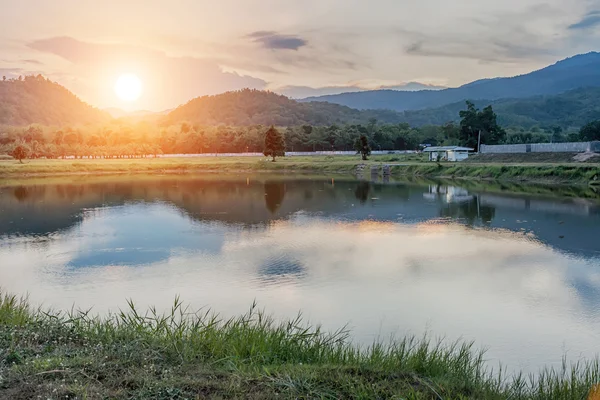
x=362 y=191
x=519 y=274
x=274 y=193
x=21 y=194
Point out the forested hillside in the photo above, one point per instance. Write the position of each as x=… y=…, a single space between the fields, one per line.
x=34 y=99
x=254 y=107
x=572 y=109
x=572 y=73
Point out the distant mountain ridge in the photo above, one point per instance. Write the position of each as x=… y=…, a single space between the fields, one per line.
x=34 y=99
x=571 y=109
x=38 y=100
x=299 y=92
x=571 y=73
x=255 y=107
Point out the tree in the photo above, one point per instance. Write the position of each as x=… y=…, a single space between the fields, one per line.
x=590 y=131
x=362 y=147
x=473 y=122
x=20 y=152
x=451 y=133
x=274 y=144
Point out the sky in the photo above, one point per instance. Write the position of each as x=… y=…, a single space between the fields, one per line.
x=182 y=49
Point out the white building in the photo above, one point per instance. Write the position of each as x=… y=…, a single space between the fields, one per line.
x=447 y=153
x=449 y=194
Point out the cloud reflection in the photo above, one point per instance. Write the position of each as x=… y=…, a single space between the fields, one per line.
x=445 y=268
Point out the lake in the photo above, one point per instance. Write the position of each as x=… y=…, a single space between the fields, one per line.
x=517 y=273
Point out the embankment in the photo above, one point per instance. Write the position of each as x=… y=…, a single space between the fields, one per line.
x=182 y=355
x=537 y=173
x=575 y=173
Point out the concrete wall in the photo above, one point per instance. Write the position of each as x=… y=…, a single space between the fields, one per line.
x=504 y=148
x=290 y=153
x=575 y=147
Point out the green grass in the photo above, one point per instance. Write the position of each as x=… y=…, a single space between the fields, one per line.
x=176 y=165
x=187 y=355
x=516 y=158
x=406 y=165
x=567 y=174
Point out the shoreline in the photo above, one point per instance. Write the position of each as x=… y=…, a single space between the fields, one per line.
x=534 y=173
x=184 y=354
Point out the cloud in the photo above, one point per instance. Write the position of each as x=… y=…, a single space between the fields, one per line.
x=590 y=20
x=493 y=45
x=31 y=61
x=275 y=41
x=532 y=33
x=167 y=80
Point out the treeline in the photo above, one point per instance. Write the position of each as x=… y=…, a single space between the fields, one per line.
x=119 y=139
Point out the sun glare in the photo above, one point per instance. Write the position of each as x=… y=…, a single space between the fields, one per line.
x=128 y=87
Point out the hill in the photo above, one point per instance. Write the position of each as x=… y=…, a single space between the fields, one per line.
x=571 y=73
x=38 y=100
x=571 y=109
x=254 y=107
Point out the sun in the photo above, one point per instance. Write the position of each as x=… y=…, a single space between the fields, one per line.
x=128 y=87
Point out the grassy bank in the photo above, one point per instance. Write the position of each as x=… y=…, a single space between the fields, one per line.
x=402 y=165
x=519 y=158
x=336 y=164
x=186 y=355
x=537 y=173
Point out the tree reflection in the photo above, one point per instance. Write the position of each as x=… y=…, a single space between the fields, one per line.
x=21 y=194
x=274 y=193
x=362 y=191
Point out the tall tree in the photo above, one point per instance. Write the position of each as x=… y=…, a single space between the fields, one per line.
x=362 y=147
x=590 y=131
x=274 y=144
x=20 y=152
x=473 y=122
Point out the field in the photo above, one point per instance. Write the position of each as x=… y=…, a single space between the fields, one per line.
x=402 y=165
x=192 y=164
x=139 y=354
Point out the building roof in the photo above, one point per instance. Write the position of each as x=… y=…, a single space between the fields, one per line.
x=447 y=148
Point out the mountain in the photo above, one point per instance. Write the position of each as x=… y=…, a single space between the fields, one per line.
x=298 y=92
x=35 y=99
x=254 y=107
x=571 y=73
x=571 y=109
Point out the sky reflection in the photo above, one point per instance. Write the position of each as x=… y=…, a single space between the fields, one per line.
x=402 y=262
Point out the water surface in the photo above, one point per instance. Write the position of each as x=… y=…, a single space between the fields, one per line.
x=517 y=273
